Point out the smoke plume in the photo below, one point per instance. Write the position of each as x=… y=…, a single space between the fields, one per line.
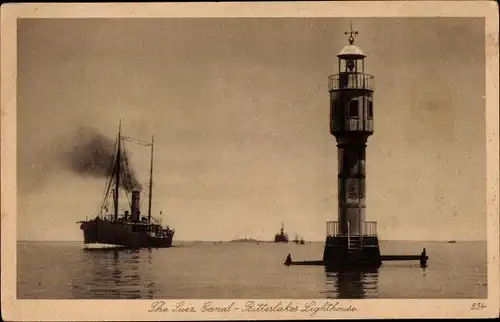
x=93 y=154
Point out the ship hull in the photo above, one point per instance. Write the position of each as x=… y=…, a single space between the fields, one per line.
x=280 y=239
x=115 y=233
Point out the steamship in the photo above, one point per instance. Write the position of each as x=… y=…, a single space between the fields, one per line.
x=281 y=237
x=128 y=229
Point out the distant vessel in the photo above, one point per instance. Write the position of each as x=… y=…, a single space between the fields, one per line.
x=281 y=237
x=452 y=242
x=129 y=230
x=297 y=241
x=245 y=240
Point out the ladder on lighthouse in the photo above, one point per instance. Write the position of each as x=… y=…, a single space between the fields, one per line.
x=354 y=243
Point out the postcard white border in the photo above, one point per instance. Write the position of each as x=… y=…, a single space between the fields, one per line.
x=49 y=310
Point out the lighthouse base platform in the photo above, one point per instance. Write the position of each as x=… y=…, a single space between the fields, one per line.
x=349 y=253
x=353 y=251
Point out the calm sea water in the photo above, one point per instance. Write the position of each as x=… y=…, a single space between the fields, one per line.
x=64 y=270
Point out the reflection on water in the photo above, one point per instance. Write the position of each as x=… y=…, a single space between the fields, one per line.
x=354 y=284
x=115 y=273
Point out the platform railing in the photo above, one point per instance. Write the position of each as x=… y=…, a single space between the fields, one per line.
x=351 y=81
x=368 y=228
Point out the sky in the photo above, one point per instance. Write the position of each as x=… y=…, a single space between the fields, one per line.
x=239 y=109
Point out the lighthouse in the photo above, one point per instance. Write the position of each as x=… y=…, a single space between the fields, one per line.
x=351 y=240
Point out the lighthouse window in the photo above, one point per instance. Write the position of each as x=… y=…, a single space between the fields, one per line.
x=370 y=109
x=353 y=108
x=352 y=190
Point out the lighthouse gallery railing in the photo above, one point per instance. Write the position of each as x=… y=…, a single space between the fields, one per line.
x=351 y=81
x=368 y=228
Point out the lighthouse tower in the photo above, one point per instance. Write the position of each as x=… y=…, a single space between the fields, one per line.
x=351 y=239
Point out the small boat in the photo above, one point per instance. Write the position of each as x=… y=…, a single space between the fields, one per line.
x=452 y=242
x=302 y=242
x=128 y=229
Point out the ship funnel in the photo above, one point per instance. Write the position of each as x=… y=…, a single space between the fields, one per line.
x=136 y=198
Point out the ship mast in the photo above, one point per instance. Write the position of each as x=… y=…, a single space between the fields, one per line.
x=117 y=171
x=151 y=180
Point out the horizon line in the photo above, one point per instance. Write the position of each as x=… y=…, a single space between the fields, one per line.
x=271 y=241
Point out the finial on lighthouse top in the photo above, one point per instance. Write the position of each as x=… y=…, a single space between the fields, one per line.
x=351 y=33
x=351 y=51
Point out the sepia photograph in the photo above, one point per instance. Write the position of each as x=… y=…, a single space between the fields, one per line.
x=264 y=161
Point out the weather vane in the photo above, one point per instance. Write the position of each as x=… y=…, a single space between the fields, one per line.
x=351 y=33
